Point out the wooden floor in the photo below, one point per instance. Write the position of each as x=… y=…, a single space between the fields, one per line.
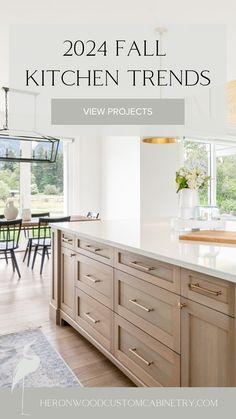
x=24 y=304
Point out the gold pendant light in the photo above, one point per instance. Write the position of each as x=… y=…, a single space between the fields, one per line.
x=160 y=140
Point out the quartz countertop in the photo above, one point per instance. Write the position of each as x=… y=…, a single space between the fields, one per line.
x=157 y=240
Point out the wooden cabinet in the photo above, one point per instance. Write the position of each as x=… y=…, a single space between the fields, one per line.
x=151 y=361
x=152 y=309
x=209 y=291
x=150 y=270
x=67 y=294
x=67 y=240
x=97 y=251
x=94 y=317
x=95 y=278
x=207 y=347
x=160 y=324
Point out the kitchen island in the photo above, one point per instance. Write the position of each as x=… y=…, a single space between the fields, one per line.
x=162 y=310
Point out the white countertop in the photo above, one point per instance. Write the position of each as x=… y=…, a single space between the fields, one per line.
x=160 y=242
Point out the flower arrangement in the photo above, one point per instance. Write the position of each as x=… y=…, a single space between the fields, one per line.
x=194 y=178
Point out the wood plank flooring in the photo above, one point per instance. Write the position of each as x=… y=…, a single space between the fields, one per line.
x=24 y=304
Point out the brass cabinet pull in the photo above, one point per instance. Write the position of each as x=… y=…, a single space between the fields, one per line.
x=67 y=240
x=133 y=351
x=182 y=305
x=196 y=286
x=134 y=301
x=92 y=279
x=91 y=318
x=139 y=265
x=93 y=248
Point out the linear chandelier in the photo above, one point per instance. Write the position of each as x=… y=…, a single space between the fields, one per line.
x=25 y=146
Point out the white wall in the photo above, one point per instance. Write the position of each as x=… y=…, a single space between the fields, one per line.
x=120 y=177
x=104 y=174
x=158 y=165
x=84 y=188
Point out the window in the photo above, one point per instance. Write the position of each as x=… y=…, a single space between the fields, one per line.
x=9 y=182
x=226 y=179
x=198 y=154
x=47 y=191
x=219 y=161
x=37 y=185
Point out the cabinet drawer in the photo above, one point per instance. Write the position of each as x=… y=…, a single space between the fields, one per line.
x=151 y=361
x=94 y=317
x=67 y=240
x=154 y=310
x=158 y=273
x=95 y=278
x=207 y=290
x=95 y=250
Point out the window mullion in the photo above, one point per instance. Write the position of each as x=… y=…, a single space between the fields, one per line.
x=212 y=173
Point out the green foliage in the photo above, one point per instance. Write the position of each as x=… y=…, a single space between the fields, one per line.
x=49 y=174
x=34 y=189
x=51 y=190
x=4 y=190
x=41 y=176
x=225 y=175
x=181 y=182
x=226 y=183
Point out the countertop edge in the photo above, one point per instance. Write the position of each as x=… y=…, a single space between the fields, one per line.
x=182 y=264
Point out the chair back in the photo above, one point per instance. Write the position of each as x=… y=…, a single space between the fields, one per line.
x=40 y=215
x=44 y=229
x=93 y=214
x=9 y=234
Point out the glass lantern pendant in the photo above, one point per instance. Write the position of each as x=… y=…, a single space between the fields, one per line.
x=24 y=146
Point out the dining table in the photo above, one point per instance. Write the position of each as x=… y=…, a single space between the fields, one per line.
x=33 y=222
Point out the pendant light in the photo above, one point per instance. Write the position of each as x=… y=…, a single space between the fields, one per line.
x=25 y=146
x=160 y=140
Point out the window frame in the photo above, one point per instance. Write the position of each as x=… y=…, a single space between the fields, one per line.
x=212 y=164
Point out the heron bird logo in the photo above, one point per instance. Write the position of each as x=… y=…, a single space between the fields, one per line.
x=27 y=365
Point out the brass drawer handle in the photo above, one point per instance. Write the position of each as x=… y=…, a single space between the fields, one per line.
x=72 y=254
x=182 y=305
x=134 y=301
x=91 y=318
x=93 y=248
x=133 y=351
x=65 y=240
x=92 y=279
x=197 y=287
x=139 y=265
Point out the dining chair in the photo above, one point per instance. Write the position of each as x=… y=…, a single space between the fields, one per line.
x=30 y=233
x=43 y=241
x=93 y=214
x=27 y=230
x=9 y=241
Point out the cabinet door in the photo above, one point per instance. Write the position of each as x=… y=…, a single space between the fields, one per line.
x=207 y=347
x=67 y=281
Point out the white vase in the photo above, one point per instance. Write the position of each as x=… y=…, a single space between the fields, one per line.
x=10 y=211
x=188 y=201
x=26 y=214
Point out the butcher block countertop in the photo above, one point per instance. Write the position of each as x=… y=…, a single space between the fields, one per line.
x=157 y=240
x=211 y=236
